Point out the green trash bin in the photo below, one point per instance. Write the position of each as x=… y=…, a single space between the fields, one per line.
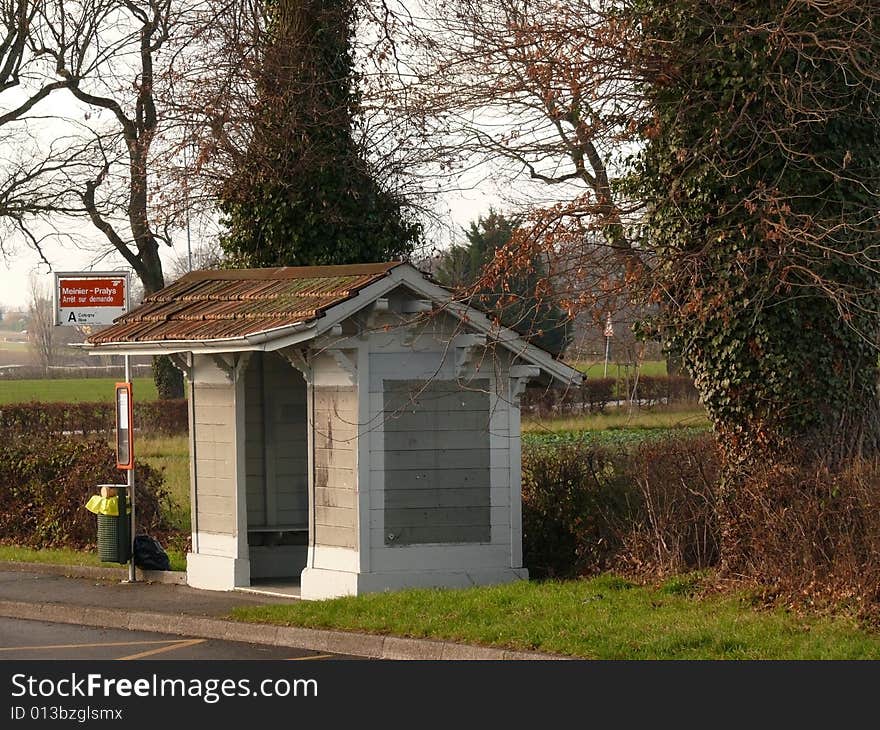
x=114 y=533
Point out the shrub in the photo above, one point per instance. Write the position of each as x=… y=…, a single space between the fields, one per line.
x=165 y=417
x=802 y=532
x=574 y=501
x=37 y=372
x=809 y=533
x=595 y=394
x=675 y=528
x=46 y=481
x=647 y=508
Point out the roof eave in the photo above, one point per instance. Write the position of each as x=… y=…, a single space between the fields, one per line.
x=416 y=280
x=271 y=339
x=280 y=337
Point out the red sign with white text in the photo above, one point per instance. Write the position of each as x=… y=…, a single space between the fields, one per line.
x=93 y=300
x=92 y=292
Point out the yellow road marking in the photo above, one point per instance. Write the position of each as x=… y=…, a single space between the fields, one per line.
x=87 y=646
x=306 y=658
x=161 y=649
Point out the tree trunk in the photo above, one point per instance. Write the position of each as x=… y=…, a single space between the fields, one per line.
x=799 y=391
x=168 y=379
x=674 y=364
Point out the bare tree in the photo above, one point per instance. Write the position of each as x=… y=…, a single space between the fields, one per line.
x=728 y=164
x=540 y=89
x=543 y=99
x=21 y=64
x=105 y=53
x=202 y=257
x=41 y=323
x=112 y=164
x=25 y=81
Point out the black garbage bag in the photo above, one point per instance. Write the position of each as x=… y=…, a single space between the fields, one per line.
x=149 y=555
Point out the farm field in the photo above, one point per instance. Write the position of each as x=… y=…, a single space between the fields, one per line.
x=596 y=368
x=621 y=419
x=13 y=352
x=70 y=390
x=13 y=345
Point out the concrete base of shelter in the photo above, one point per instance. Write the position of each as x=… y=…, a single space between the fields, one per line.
x=320 y=583
x=217 y=573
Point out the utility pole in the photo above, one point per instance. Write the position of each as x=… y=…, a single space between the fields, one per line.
x=189 y=254
x=129 y=478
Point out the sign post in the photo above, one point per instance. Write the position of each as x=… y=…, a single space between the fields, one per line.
x=609 y=333
x=125 y=450
x=95 y=298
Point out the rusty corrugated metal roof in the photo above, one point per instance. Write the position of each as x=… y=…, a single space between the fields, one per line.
x=234 y=303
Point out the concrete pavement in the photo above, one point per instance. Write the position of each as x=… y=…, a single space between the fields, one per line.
x=30 y=591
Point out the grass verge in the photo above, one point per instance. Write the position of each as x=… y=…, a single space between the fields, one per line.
x=13 y=553
x=600 y=618
x=69 y=390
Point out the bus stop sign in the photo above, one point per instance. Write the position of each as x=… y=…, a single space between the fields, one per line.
x=90 y=298
x=124 y=427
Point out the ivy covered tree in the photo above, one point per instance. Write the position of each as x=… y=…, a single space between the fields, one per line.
x=761 y=171
x=305 y=193
x=520 y=300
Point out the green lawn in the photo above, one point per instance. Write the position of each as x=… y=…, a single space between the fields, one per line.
x=596 y=368
x=13 y=346
x=72 y=557
x=601 y=618
x=622 y=418
x=68 y=390
x=171 y=454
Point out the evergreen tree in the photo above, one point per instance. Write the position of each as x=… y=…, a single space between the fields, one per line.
x=515 y=302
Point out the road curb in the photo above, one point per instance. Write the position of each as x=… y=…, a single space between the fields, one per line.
x=171 y=577
x=372 y=646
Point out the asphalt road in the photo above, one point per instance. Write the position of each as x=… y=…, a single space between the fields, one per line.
x=21 y=639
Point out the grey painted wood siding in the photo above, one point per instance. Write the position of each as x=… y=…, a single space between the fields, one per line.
x=214 y=413
x=437 y=462
x=335 y=437
x=276 y=443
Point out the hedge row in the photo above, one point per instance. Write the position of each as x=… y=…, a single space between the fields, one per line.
x=46 y=482
x=595 y=394
x=643 y=508
x=168 y=417
x=804 y=533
